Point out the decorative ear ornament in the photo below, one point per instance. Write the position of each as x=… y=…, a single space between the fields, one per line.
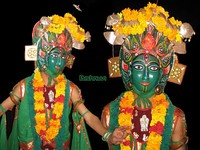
x=158 y=90
x=30 y=53
x=177 y=72
x=70 y=61
x=113 y=67
x=44 y=68
x=130 y=85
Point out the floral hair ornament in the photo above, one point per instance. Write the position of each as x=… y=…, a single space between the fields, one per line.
x=148 y=30
x=56 y=31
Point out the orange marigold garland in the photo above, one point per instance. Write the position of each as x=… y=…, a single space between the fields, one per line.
x=48 y=130
x=159 y=109
x=124 y=118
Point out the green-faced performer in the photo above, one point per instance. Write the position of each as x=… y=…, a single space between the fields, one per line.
x=50 y=112
x=149 y=41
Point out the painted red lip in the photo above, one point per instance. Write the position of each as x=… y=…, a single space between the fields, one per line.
x=145 y=83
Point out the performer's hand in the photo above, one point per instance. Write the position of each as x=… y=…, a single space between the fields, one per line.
x=119 y=135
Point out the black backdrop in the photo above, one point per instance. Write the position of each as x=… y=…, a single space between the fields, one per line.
x=18 y=19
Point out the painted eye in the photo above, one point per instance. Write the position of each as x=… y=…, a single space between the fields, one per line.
x=153 y=68
x=138 y=67
x=54 y=55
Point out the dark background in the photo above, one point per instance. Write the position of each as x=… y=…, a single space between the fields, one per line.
x=18 y=19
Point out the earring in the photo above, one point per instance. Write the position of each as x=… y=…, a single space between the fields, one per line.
x=158 y=90
x=44 y=67
x=70 y=61
x=130 y=86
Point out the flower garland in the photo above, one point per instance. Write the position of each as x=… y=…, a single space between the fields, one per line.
x=159 y=109
x=48 y=130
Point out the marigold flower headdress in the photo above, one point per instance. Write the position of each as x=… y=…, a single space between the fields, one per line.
x=56 y=31
x=132 y=22
x=141 y=31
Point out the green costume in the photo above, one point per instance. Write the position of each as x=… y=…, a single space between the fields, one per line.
x=45 y=116
x=23 y=128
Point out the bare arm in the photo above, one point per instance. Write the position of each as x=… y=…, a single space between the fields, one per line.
x=12 y=100
x=94 y=122
x=91 y=119
x=179 y=136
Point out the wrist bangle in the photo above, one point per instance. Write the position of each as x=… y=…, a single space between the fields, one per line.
x=85 y=113
x=106 y=136
x=2 y=109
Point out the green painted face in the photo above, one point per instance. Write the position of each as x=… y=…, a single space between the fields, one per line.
x=145 y=74
x=56 y=61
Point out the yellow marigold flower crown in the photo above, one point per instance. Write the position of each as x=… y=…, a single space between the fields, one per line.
x=132 y=22
x=137 y=21
x=59 y=23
